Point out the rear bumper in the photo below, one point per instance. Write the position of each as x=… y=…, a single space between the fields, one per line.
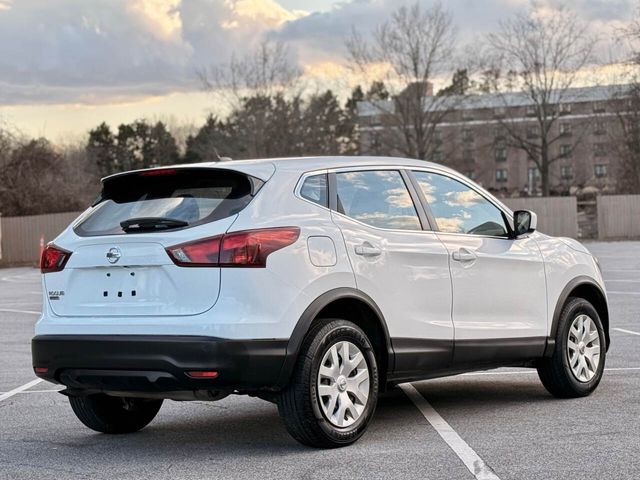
x=157 y=363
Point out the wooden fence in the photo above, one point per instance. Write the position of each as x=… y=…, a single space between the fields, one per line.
x=618 y=217
x=20 y=236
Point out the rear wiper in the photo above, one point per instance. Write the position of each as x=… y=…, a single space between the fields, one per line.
x=151 y=223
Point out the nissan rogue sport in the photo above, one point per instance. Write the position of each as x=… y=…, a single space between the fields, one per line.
x=314 y=283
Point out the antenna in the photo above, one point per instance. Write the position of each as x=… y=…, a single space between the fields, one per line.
x=221 y=159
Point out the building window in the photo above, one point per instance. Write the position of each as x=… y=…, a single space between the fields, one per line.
x=501 y=175
x=467 y=155
x=566 y=172
x=471 y=174
x=501 y=154
x=532 y=132
x=438 y=156
x=598 y=107
x=565 y=128
x=565 y=150
x=531 y=111
x=565 y=108
x=533 y=177
x=467 y=135
x=599 y=128
x=599 y=149
x=500 y=134
x=467 y=114
x=437 y=136
x=499 y=111
x=600 y=170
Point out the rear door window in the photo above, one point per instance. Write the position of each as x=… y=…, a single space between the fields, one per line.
x=378 y=198
x=186 y=196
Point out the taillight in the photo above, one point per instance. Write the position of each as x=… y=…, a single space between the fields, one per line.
x=252 y=247
x=201 y=253
x=53 y=259
x=248 y=248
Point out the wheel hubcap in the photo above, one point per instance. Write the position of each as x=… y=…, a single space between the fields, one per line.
x=583 y=348
x=343 y=384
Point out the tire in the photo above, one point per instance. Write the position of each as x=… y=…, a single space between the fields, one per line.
x=107 y=414
x=556 y=372
x=342 y=416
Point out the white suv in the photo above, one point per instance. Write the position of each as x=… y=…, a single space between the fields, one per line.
x=314 y=283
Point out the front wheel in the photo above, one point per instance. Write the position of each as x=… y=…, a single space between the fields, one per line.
x=576 y=367
x=107 y=414
x=334 y=388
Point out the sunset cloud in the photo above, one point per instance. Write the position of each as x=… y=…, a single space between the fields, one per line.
x=105 y=51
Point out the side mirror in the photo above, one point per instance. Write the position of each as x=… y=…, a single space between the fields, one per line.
x=524 y=221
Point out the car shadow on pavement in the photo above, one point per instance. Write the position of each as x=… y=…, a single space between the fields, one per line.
x=255 y=429
x=484 y=392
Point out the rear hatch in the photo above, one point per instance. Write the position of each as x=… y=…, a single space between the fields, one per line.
x=118 y=264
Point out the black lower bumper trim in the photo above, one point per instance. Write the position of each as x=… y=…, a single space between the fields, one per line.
x=157 y=363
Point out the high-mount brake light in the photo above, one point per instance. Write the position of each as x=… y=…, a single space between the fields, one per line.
x=158 y=172
x=247 y=248
x=53 y=259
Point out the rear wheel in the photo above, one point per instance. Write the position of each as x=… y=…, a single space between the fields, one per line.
x=334 y=388
x=576 y=367
x=107 y=414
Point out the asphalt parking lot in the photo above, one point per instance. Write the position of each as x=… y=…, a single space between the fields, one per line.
x=503 y=417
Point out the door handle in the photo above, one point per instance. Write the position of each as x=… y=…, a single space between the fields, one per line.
x=367 y=250
x=464 y=255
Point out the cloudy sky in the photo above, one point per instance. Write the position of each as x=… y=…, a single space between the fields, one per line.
x=66 y=65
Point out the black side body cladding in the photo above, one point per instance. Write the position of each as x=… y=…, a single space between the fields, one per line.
x=600 y=304
x=311 y=313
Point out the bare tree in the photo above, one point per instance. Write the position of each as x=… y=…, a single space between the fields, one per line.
x=264 y=72
x=415 y=46
x=259 y=91
x=626 y=139
x=546 y=53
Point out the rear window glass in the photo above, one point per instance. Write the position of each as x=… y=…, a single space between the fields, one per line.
x=187 y=196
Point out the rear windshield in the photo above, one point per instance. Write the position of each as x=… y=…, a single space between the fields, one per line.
x=187 y=196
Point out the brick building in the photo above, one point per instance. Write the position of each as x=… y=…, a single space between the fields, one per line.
x=472 y=137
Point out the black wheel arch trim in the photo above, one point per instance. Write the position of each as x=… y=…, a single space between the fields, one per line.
x=562 y=299
x=311 y=313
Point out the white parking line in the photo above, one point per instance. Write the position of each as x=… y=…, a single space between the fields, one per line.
x=13 y=304
x=613 y=292
x=51 y=390
x=24 y=387
x=625 y=281
x=11 y=310
x=469 y=457
x=623 y=330
x=20 y=279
